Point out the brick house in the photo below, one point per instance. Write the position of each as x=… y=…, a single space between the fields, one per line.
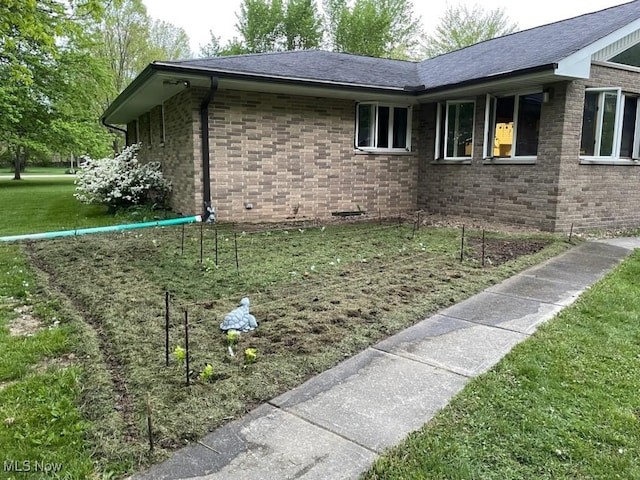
x=540 y=128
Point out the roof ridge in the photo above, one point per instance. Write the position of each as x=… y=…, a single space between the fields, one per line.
x=288 y=52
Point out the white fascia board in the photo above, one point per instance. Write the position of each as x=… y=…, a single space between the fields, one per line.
x=578 y=64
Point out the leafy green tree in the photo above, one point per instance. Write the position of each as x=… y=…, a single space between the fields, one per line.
x=274 y=25
x=40 y=96
x=211 y=49
x=168 y=42
x=461 y=26
x=128 y=40
x=377 y=28
x=260 y=24
x=215 y=49
x=302 y=25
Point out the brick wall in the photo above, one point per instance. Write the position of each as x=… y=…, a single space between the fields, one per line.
x=177 y=154
x=596 y=196
x=293 y=156
x=289 y=156
x=514 y=194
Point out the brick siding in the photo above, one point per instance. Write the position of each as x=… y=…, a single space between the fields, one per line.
x=514 y=194
x=289 y=156
x=596 y=196
x=293 y=157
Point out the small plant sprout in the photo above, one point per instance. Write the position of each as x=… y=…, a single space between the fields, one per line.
x=250 y=355
x=180 y=354
x=233 y=337
x=206 y=373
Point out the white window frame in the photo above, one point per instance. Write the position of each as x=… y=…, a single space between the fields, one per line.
x=617 y=129
x=442 y=137
x=489 y=130
x=374 y=149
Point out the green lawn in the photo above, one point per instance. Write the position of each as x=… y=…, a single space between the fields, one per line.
x=34 y=205
x=41 y=379
x=320 y=294
x=36 y=171
x=562 y=405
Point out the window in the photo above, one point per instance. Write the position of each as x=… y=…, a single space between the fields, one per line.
x=610 y=126
x=512 y=126
x=454 y=130
x=383 y=127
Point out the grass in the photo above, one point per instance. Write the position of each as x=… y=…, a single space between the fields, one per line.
x=320 y=294
x=34 y=205
x=563 y=405
x=38 y=392
x=36 y=171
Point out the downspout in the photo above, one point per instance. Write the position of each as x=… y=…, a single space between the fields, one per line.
x=209 y=212
x=118 y=129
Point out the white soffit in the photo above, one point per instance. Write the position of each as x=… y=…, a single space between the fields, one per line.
x=618 y=47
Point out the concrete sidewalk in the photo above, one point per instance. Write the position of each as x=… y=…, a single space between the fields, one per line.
x=336 y=424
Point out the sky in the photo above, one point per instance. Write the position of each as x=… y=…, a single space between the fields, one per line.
x=199 y=17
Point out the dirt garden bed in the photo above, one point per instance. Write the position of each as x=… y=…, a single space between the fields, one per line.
x=320 y=293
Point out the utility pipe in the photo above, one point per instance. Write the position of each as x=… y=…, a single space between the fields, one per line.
x=209 y=212
x=111 y=228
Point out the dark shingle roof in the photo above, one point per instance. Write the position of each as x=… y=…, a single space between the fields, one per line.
x=520 y=51
x=527 y=49
x=316 y=65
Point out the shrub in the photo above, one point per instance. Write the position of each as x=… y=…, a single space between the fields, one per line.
x=121 y=181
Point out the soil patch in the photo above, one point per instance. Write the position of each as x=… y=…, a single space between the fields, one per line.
x=25 y=325
x=498 y=251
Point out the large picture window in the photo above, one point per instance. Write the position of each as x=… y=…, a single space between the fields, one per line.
x=512 y=126
x=383 y=127
x=454 y=130
x=610 y=126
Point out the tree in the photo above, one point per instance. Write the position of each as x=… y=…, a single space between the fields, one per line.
x=272 y=26
x=168 y=42
x=128 y=40
x=211 y=49
x=215 y=49
x=302 y=25
x=461 y=26
x=260 y=24
x=377 y=28
x=40 y=95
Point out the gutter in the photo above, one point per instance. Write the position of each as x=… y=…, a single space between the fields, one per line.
x=491 y=78
x=117 y=129
x=209 y=212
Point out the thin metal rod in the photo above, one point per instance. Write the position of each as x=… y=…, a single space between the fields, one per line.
x=483 y=246
x=182 y=242
x=216 y=247
x=186 y=344
x=201 y=240
x=462 y=245
x=166 y=328
x=149 y=425
x=235 y=238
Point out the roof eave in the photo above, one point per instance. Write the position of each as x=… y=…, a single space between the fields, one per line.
x=249 y=78
x=542 y=73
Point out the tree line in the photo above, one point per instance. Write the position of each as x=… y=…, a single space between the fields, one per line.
x=62 y=62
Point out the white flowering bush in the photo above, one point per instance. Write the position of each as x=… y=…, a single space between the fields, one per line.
x=121 y=181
